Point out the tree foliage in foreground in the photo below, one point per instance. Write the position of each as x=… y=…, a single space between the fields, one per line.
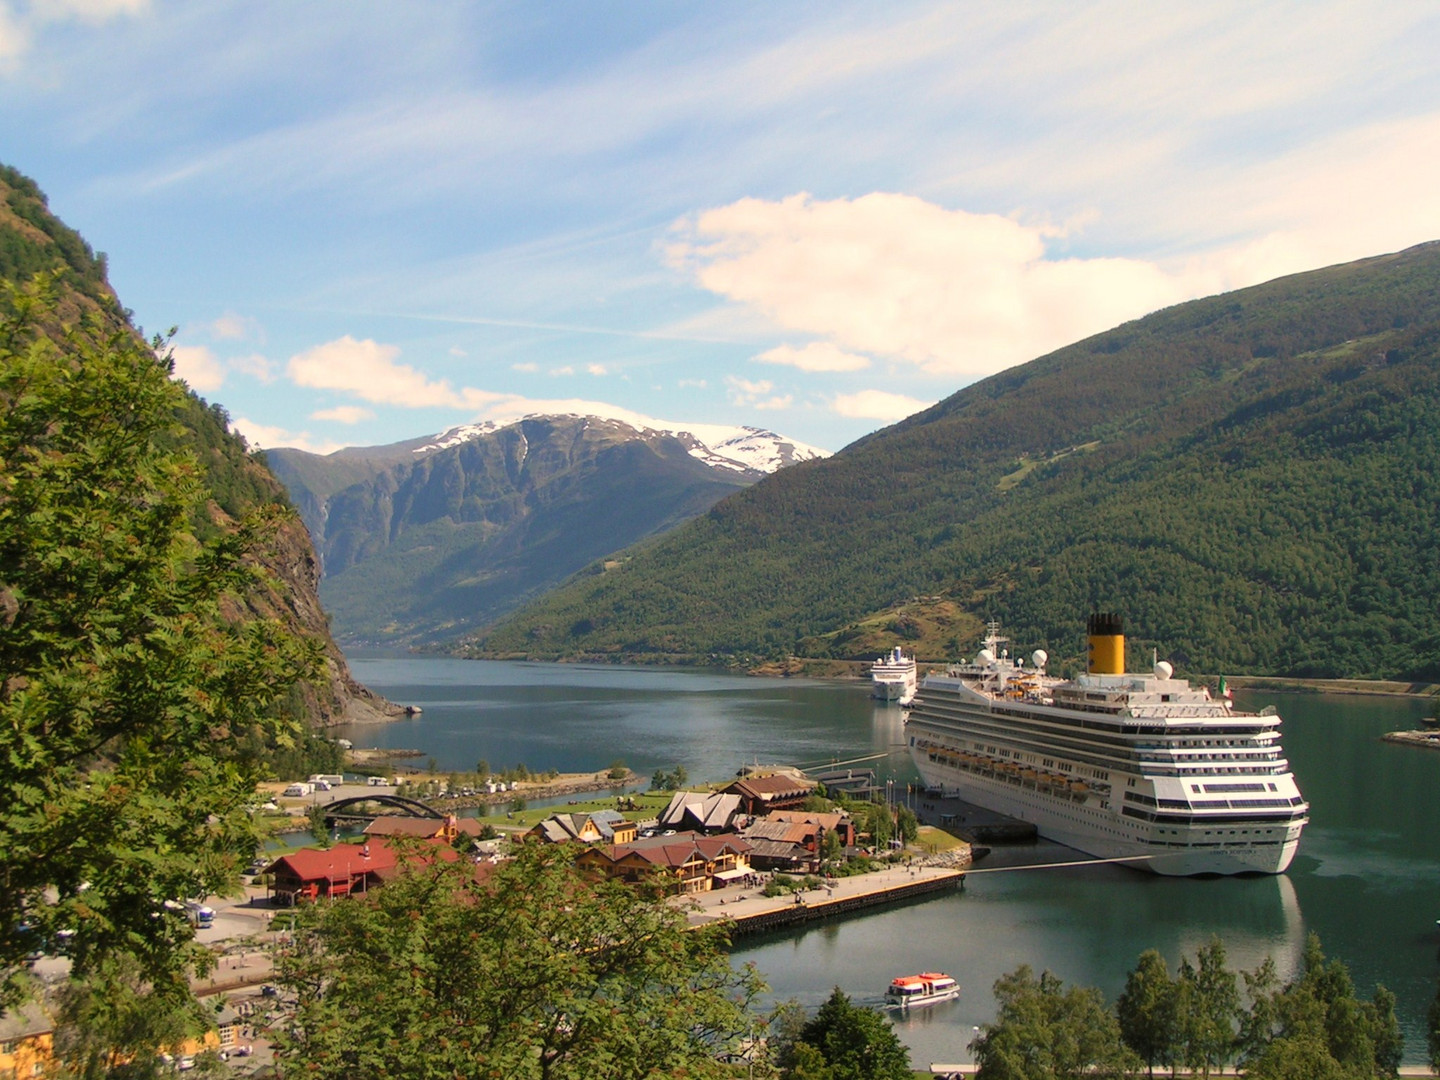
x=113 y=1024
x=1311 y=1028
x=1044 y=1030
x=844 y=1041
x=130 y=683
x=536 y=972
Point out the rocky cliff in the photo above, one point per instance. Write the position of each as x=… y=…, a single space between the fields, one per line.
x=32 y=240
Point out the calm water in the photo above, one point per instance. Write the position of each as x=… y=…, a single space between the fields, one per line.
x=1365 y=879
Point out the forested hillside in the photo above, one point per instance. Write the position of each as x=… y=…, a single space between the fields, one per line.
x=1250 y=478
x=33 y=240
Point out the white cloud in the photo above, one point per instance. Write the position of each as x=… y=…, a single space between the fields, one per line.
x=699 y=384
x=563 y=370
x=756 y=394
x=198 y=366
x=90 y=11
x=458 y=352
x=19 y=22
x=956 y=293
x=526 y=368
x=369 y=371
x=255 y=365
x=231 y=327
x=816 y=356
x=344 y=414
x=877 y=405
x=596 y=369
x=15 y=36
x=266 y=437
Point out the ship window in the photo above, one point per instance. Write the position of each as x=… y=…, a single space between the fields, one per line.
x=1195 y=788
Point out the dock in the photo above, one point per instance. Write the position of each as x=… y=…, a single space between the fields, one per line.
x=1428 y=738
x=971 y=822
x=751 y=911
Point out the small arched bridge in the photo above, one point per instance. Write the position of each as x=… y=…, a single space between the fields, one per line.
x=407 y=807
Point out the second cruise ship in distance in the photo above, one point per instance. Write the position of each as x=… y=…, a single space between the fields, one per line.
x=894 y=677
x=1116 y=765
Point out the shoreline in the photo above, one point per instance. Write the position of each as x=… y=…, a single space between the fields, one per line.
x=857 y=671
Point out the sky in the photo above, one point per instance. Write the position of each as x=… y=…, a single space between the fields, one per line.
x=372 y=221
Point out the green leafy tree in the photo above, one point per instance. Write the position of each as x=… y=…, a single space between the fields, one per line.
x=1045 y=1031
x=845 y=1041
x=1317 y=1022
x=130 y=684
x=1259 y=1023
x=534 y=973
x=907 y=825
x=673 y=780
x=1209 y=1003
x=318 y=827
x=1146 y=1011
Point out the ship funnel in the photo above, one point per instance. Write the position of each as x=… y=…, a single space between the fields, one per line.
x=1107 y=644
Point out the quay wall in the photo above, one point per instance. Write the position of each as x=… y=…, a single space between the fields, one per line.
x=758 y=913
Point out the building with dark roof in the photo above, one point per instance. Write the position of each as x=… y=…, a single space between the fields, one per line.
x=686 y=862
x=603 y=826
x=700 y=811
x=778 y=791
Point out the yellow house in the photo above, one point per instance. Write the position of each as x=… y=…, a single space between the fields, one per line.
x=27 y=1042
x=602 y=826
x=27 y=1045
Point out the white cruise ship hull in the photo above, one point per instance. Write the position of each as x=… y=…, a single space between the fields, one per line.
x=1104 y=835
x=894 y=690
x=895 y=678
x=1138 y=767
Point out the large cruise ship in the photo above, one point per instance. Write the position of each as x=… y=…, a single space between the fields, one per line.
x=894 y=677
x=1117 y=765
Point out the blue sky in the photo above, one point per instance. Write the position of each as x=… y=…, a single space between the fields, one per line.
x=372 y=221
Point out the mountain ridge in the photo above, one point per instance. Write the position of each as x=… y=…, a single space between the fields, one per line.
x=425 y=538
x=1121 y=472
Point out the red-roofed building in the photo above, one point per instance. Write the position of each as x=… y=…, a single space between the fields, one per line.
x=312 y=873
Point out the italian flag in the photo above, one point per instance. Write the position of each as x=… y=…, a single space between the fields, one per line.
x=1225 y=689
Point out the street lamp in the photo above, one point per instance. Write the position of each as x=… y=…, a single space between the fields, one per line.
x=975 y=1050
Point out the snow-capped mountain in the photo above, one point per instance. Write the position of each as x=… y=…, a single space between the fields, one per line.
x=722 y=446
x=424 y=539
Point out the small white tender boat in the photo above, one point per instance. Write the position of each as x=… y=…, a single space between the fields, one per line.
x=911 y=991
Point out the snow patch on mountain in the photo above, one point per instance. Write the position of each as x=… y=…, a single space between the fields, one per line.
x=721 y=446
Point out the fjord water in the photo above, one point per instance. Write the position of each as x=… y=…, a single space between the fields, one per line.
x=1365 y=878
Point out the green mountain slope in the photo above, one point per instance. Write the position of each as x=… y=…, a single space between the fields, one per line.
x=1250 y=478
x=33 y=240
x=421 y=549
